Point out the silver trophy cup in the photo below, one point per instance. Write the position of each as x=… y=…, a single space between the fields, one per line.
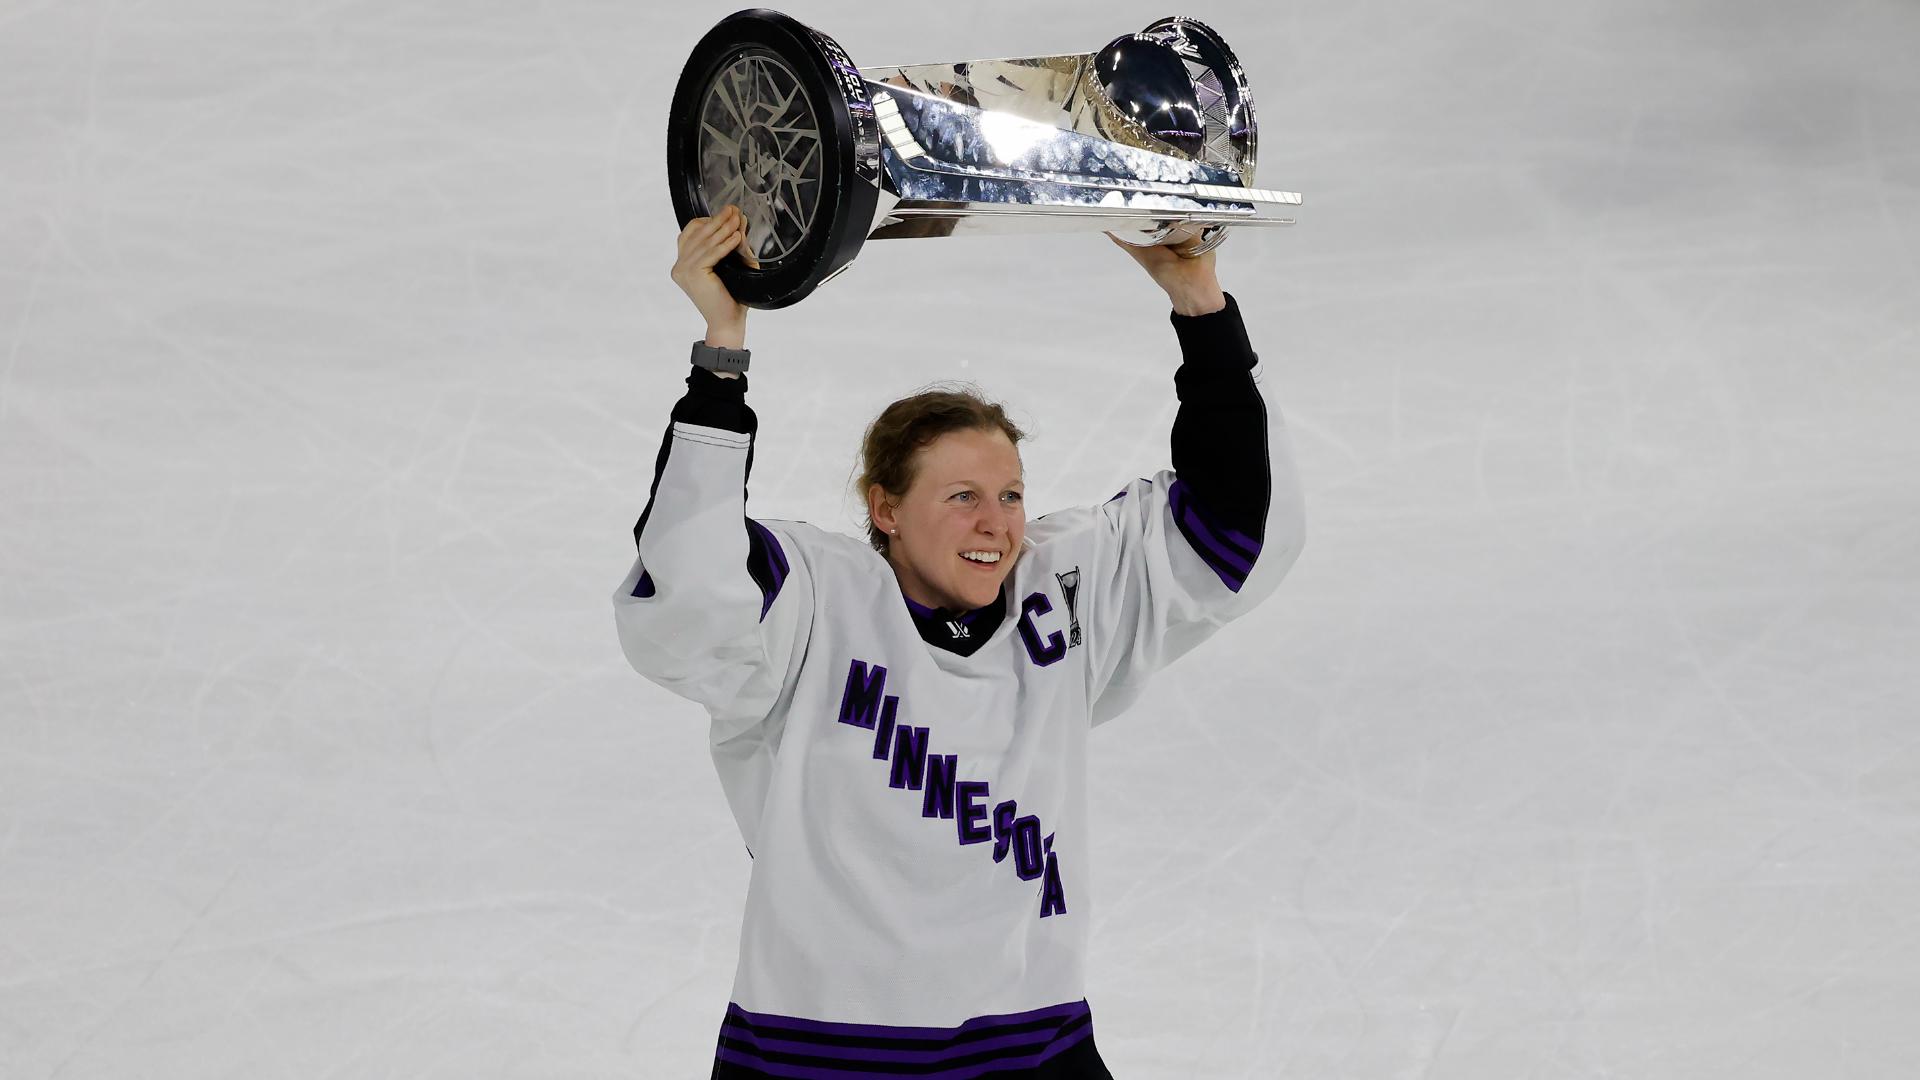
x=1150 y=139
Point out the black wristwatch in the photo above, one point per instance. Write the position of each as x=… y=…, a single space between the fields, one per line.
x=719 y=358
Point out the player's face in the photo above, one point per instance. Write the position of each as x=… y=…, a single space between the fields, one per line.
x=961 y=522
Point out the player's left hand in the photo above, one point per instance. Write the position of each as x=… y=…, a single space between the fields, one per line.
x=1175 y=272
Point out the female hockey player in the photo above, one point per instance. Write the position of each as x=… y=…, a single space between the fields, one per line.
x=900 y=725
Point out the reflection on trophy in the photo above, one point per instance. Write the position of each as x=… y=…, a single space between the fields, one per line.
x=1150 y=139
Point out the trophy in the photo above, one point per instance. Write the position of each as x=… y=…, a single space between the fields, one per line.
x=1150 y=139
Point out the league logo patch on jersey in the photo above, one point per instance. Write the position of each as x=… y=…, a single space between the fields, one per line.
x=1070 y=588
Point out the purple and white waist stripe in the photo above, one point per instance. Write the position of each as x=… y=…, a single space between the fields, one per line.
x=794 y=1048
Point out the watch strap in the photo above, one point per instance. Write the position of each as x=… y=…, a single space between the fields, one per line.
x=719 y=358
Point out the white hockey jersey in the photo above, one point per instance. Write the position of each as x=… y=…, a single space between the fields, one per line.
x=917 y=816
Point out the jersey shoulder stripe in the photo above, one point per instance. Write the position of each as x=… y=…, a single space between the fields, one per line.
x=766 y=563
x=1229 y=553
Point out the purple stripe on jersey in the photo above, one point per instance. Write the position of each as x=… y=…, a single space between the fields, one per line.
x=1198 y=529
x=980 y=1053
x=989 y=1069
x=644 y=587
x=773 y=560
x=995 y=1049
x=1062 y=1012
x=1243 y=544
x=1226 y=574
x=1228 y=564
x=779 y=553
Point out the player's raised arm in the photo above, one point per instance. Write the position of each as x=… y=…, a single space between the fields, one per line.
x=698 y=612
x=1198 y=545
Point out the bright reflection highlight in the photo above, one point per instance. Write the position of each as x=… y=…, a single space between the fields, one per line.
x=1010 y=135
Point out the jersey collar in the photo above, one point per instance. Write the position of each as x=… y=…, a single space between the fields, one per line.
x=959 y=632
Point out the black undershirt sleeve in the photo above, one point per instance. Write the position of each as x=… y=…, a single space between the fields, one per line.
x=716 y=402
x=1220 y=430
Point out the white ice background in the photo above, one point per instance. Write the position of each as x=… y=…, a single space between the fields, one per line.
x=336 y=341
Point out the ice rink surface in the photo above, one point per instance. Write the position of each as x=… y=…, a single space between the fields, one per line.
x=1583 y=741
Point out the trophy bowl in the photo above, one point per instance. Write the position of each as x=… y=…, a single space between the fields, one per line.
x=1150 y=138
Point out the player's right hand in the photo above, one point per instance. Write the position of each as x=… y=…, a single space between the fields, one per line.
x=703 y=243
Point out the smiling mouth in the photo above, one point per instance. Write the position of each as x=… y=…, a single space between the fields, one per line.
x=994 y=564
